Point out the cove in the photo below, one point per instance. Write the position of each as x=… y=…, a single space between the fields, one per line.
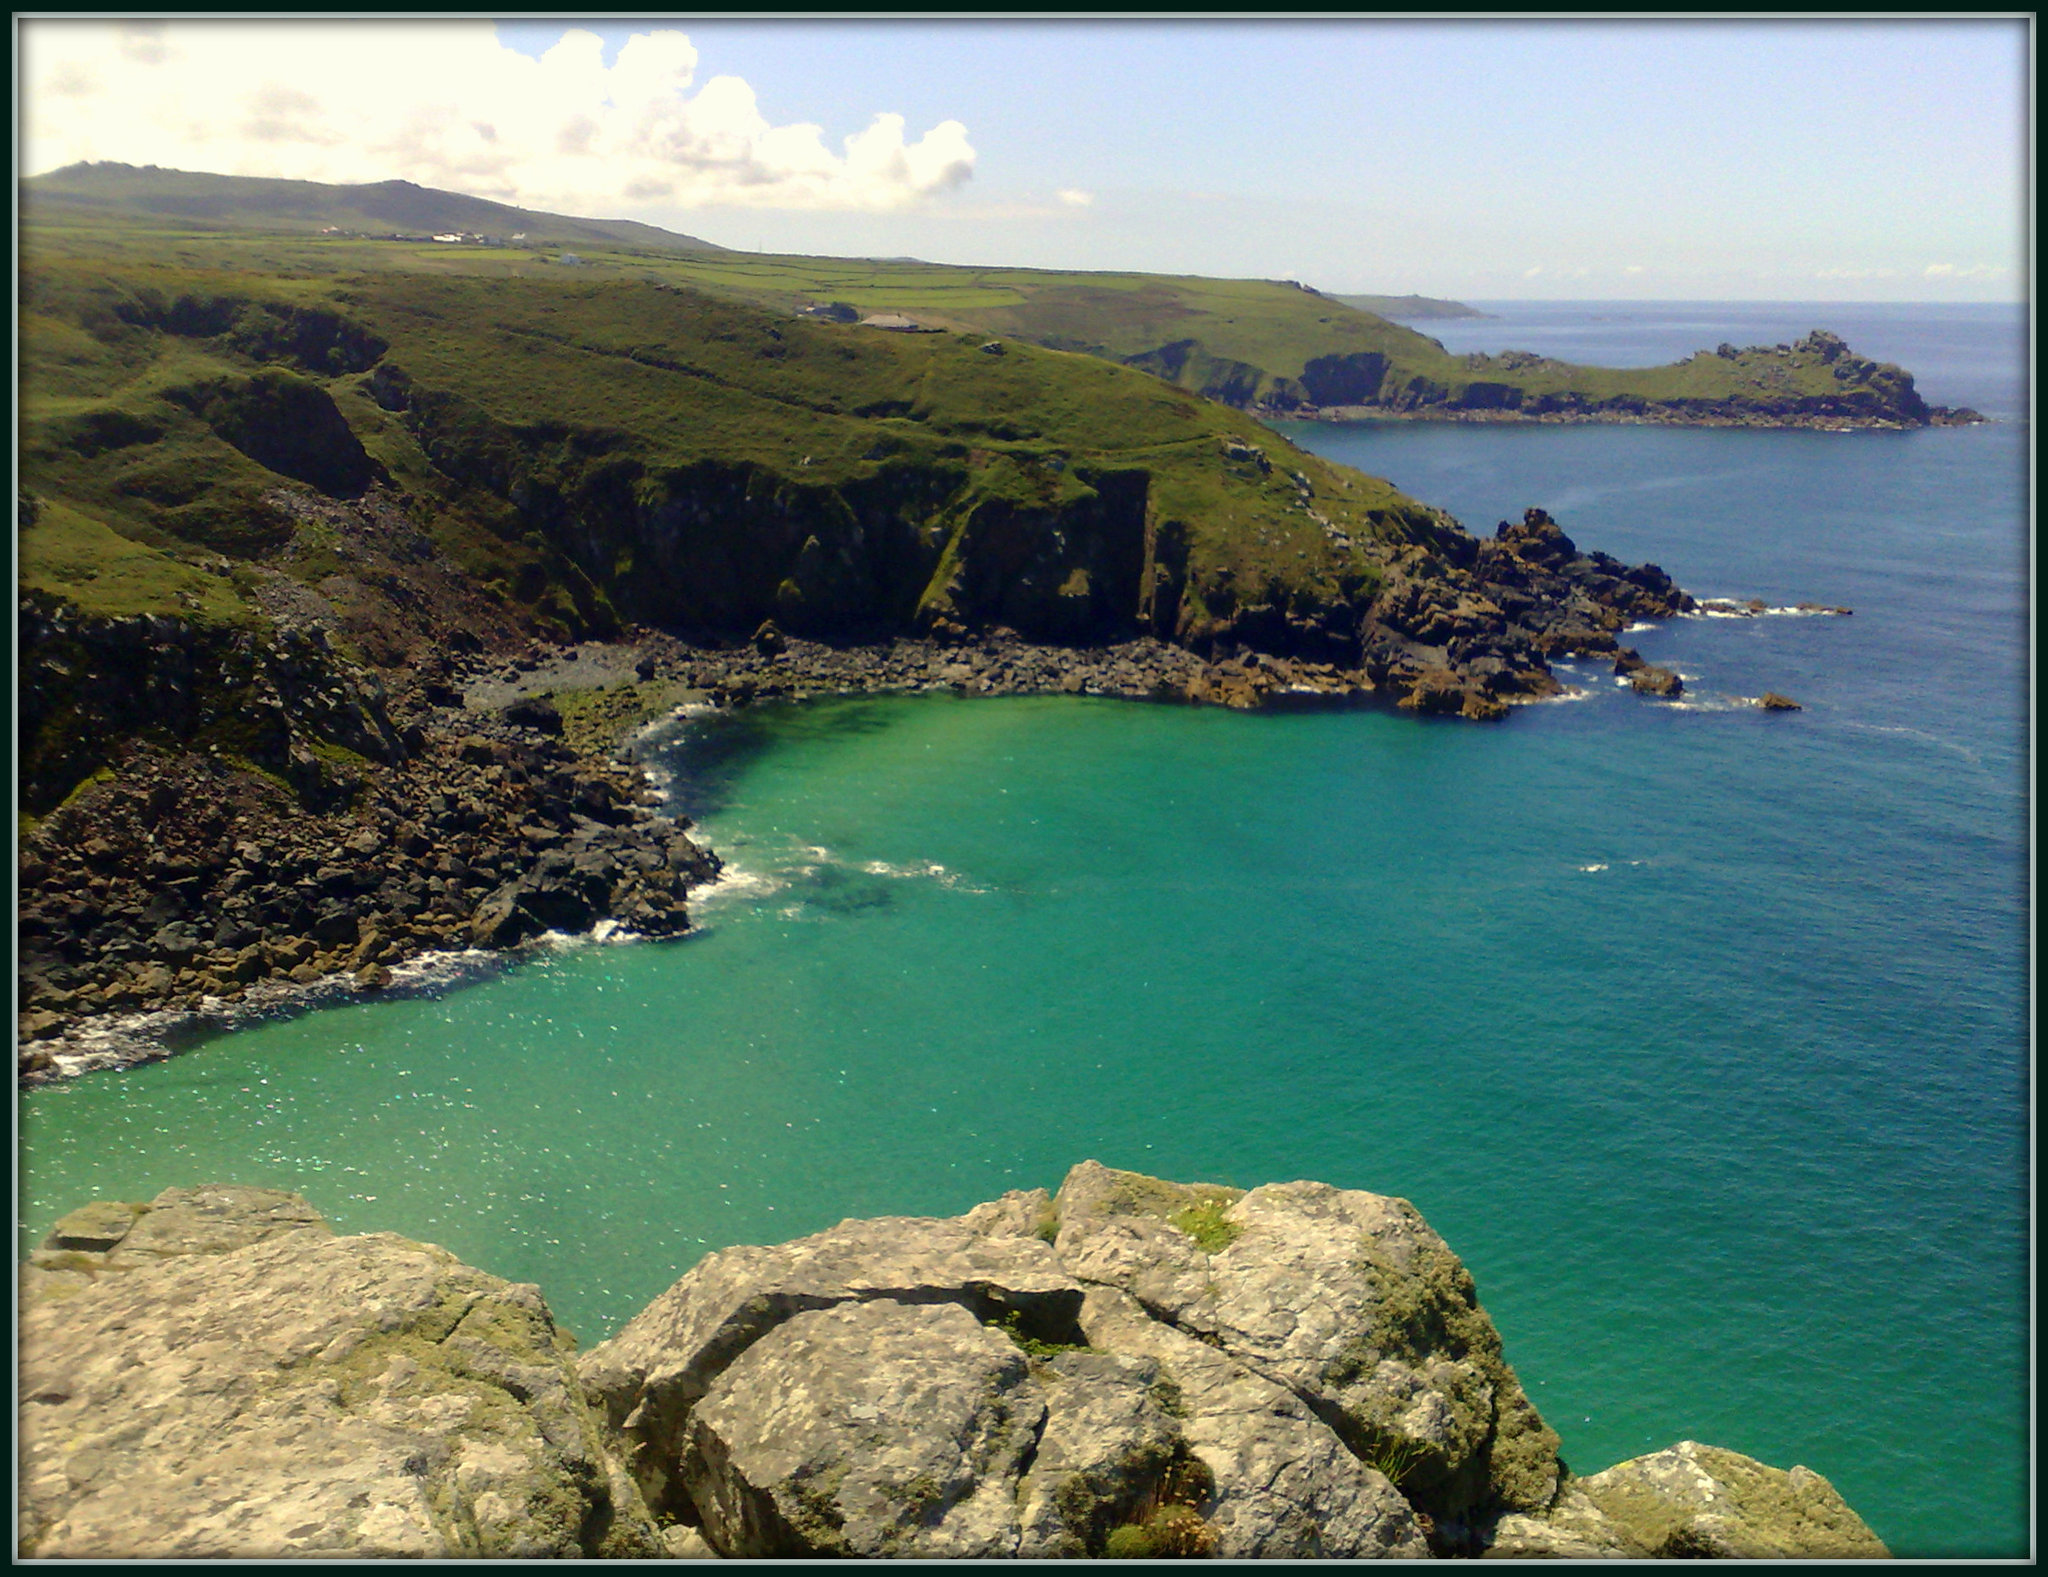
x=1700 y=1034
x=968 y=942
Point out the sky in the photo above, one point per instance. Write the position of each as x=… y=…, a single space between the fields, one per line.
x=1833 y=160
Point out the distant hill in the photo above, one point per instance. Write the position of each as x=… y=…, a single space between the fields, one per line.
x=124 y=192
x=1275 y=347
x=1411 y=309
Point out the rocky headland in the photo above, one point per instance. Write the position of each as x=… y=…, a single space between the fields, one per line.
x=1130 y=1368
x=1816 y=382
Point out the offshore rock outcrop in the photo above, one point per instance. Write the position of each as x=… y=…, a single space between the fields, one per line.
x=1466 y=626
x=1132 y=1367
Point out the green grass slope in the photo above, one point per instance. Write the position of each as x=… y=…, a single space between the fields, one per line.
x=1271 y=346
x=598 y=443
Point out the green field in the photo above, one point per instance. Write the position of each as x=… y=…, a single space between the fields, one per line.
x=1265 y=345
x=617 y=440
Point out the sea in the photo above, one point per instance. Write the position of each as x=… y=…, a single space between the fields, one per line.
x=1701 y=1033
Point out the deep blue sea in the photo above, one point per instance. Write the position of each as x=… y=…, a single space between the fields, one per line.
x=1700 y=1033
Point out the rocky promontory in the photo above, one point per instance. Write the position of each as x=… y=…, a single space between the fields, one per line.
x=1816 y=382
x=1130 y=1368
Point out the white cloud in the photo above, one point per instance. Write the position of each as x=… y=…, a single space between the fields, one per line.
x=1074 y=198
x=445 y=104
x=1940 y=270
x=1950 y=271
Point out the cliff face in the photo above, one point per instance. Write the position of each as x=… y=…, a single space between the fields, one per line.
x=273 y=697
x=571 y=456
x=1130 y=1368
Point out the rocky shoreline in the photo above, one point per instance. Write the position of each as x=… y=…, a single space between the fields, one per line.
x=1131 y=1368
x=487 y=806
x=187 y=892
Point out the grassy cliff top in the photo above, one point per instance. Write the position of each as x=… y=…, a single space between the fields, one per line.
x=172 y=385
x=1408 y=309
x=1266 y=344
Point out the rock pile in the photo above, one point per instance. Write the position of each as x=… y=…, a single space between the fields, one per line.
x=1000 y=664
x=190 y=883
x=1468 y=634
x=1131 y=1368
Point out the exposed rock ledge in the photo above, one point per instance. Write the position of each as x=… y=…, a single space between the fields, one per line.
x=1132 y=1368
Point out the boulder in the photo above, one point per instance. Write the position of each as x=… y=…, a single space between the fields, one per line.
x=800 y=1447
x=536 y=712
x=215 y=1219
x=233 y=1381
x=1283 y=1486
x=1695 y=1500
x=666 y=1359
x=1649 y=679
x=1345 y=1299
x=1111 y=1446
x=94 y=1228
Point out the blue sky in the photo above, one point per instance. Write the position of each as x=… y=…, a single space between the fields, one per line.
x=1774 y=160
x=1833 y=160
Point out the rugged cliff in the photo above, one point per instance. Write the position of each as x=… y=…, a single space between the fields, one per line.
x=1130 y=1368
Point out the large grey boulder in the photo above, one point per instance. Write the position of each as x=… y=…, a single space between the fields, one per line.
x=1345 y=1299
x=870 y=1428
x=900 y=1387
x=226 y=1379
x=665 y=1360
x=1282 y=1484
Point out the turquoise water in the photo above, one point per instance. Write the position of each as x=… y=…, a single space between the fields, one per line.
x=1699 y=1033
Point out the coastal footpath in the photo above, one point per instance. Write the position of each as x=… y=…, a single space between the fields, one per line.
x=1130 y=1368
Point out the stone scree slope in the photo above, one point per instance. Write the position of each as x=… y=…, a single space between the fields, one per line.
x=1131 y=1368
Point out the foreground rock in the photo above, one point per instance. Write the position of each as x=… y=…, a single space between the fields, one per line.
x=227 y=1379
x=1133 y=1368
